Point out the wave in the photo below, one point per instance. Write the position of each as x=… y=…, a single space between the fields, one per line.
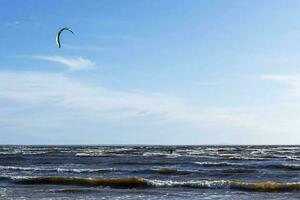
x=230 y=168
x=90 y=154
x=24 y=153
x=230 y=171
x=292 y=158
x=105 y=152
x=167 y=171
x=284 y=166
x=22 y=168
x=82 y=170
x=111 y=182
x=140 y=183
x=251 y=166
x=173 y=171
x=230 y=184
x=70 y=190
x=247 y=158
x=160 y=154
x=217 y=164
x=158 y=163
x=160 y=171
x=86 y=170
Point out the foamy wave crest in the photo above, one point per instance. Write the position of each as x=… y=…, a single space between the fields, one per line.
x=231 y=184
x=22 y=168
x=155 y=154
x=166 y=171
x=85 y=170
x=216 y=164
x=273 y=166
x=90 y=154
x=22 y=153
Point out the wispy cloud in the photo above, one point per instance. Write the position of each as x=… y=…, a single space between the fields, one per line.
x=280 y=77
x=291 y=81
x=85 y=48
x=23 y=95
x=58 y=90
x=13 y=23
x=77 y=63
x=211 y=83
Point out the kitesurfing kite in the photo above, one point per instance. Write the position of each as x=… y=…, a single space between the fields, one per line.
x=59 y=33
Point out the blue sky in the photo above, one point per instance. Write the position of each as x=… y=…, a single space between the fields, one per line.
x=150 y=72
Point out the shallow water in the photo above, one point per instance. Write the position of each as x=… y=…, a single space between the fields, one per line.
x=149 y=172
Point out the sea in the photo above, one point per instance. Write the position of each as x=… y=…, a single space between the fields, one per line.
x=150 y=172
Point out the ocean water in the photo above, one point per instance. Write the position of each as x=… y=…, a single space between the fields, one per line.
x=150 y=172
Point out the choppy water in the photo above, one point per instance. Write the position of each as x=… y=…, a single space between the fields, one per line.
x=149 y=172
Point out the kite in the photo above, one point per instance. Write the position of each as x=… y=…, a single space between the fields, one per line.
x=59 y=33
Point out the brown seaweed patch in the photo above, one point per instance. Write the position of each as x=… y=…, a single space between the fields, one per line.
x=118 y=182
x=264 y=186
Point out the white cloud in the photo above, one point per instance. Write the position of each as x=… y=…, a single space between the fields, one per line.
x=291 y=81
x=211 y=83
x=77 y=63
x=44 y=88
x=13 y=23
x=29 y=88
x=47 y=99
x=277 y=77
x=85 y=48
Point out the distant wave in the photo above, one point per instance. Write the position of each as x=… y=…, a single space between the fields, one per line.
x=160 y=154
x=161 y=171
x=251 y=166
x=70 y=190
x=149 y=162
x=232 y=168
x=140 y=183
x=24 y=153
x=94 y=154
x=82 y=170
x=246 y=158
x=166 y=171
x=284 y=166
x=217 y=164
x=128 y=153
x=219 y=172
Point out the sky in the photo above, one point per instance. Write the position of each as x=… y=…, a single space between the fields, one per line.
x=150 y=72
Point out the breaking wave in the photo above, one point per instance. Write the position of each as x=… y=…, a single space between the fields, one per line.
x=140 y=183
x=217 y=164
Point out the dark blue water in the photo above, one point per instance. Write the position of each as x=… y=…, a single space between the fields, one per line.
x=149 y=172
